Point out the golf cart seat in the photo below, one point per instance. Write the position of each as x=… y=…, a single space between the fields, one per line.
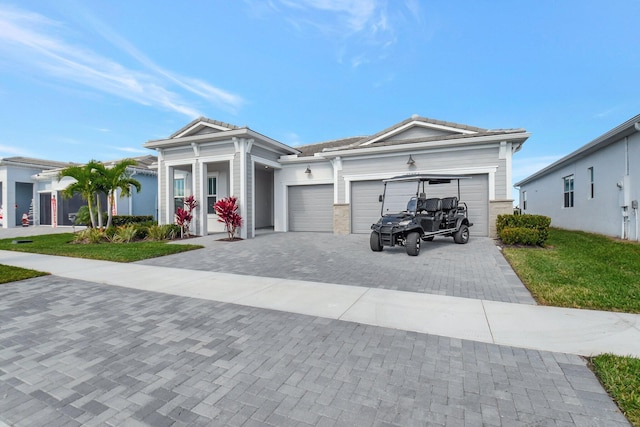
x=449 y=208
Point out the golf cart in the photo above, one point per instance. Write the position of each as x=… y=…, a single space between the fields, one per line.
x=408 y=216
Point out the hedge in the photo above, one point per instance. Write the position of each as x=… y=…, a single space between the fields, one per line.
x=119 y=220
x=523 y=229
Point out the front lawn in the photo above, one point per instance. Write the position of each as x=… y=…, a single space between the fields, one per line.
x=13 y=274
x=581 y=270
x=621 y=378
x=60 y=244
x=589 y=271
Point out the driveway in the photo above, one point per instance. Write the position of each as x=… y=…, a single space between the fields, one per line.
x=475 y=270
x=76 y=352
x=79 y=353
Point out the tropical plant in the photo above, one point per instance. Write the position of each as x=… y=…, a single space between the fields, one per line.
x=161 y=232
x=125 y=234
x=86 y=184
x=90 y=235
x=185 y=215
x=227 y=211
x=113 y=178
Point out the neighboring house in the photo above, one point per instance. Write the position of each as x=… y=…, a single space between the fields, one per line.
x=596 y=188
x=18 y=188
x=332 y=186
x=31 y=186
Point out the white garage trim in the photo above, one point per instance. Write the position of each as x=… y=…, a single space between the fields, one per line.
x=454 y=171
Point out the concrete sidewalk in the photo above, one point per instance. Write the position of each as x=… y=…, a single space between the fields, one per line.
x=581 y=332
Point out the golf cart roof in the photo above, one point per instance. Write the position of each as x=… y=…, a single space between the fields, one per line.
x=430 y=178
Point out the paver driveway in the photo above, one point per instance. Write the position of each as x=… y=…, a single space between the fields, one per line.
x=475 y=270
x=75 y=352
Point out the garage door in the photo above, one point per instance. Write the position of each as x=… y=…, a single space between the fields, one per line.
x=311 y=208
x=474 y=191
x=365 y=207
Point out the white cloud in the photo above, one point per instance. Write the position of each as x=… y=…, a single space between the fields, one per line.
x=34 y=40
x=132 y=150
x=362 y=26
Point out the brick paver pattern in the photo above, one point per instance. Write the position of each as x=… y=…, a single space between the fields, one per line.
x=475 y=270
x=78 y=353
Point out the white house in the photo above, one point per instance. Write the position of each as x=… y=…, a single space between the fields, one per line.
x=332 y=186
x=596 y=188
x=31 y=186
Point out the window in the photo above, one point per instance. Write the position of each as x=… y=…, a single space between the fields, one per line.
x=524 y=200
x=568 y=191
x=212 y=193
x=592 y=190
x=178 y=193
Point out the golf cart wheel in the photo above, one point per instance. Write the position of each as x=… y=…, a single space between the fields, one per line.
x=462 y=235
x=413 y=244
x=374 y=241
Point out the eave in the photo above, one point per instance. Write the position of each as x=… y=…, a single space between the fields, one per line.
x=616 y=134
x=218 y=136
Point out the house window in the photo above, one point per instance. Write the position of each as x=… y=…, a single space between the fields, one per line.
x=212 y=193
x=524 y=200
x=568 y=191
x=592 y=190
x=178 y=193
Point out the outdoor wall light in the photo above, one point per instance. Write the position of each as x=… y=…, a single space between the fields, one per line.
x=411 y=162
x=308 y=170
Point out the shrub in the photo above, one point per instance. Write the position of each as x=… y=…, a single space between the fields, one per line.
x=119 y=220
x=523 y=229
x=519 y=235
x=162 y=232
x=227 y=211
x=125 y=233
x=90 y=235
x=184 y=216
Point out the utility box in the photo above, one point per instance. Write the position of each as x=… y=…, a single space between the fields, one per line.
x=624 y=195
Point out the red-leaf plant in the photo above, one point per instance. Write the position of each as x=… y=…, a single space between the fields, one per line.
x=227 y=211
x=184 y=216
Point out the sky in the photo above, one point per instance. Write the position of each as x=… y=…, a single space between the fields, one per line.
x=95 y=79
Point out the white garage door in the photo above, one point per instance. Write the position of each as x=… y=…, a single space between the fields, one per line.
x=365 y=205
x=311 y=208
x=474 y=191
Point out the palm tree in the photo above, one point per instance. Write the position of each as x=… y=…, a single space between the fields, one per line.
x=114 y=178
x=85 y=184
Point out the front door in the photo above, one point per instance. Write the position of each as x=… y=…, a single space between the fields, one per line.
x=213 y=226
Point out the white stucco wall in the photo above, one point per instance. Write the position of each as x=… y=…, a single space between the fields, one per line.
x=603 y=213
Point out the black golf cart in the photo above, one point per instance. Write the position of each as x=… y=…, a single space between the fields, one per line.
x=408 y=216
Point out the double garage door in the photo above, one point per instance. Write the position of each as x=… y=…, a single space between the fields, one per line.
x=311 y=206
x=365 y=207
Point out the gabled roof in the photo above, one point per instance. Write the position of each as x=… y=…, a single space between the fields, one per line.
x=201 y=122
x=426 y=122
x=192 y=134
x=33 y=163
x=391 y=135
x=616 y=134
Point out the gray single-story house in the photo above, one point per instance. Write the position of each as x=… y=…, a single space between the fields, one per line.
x=30 y=186
x=596 y=188
x=332 y=186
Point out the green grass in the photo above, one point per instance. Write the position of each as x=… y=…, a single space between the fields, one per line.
x=581 y=270
x=60 y=244
x=13 y=274
x=620 y=376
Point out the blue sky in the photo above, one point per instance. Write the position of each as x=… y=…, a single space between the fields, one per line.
x=90 y=79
